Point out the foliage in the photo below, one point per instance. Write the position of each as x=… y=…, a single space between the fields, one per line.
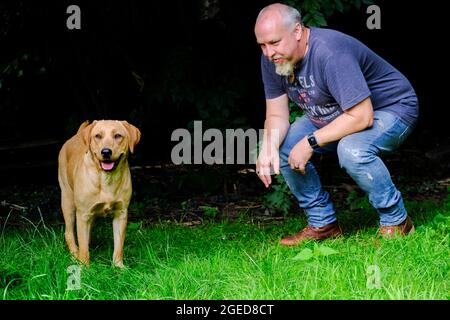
x=357 y=201
x=22 y=65
x=295 y=111
x=316 y=12
x=200 y=76
x=185 y=207
x=218 y=96
x=280 y=198
x=215 y=96
x=210 y=212
x=319 y=250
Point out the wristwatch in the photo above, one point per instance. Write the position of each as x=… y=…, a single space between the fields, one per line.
x=312 y=141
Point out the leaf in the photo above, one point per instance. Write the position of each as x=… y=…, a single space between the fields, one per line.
x=319 y=19
x=439 y=218
x=316 y=249
x=339 y=6
x=304 y=255
x=307 y=18
x=326 y=251
x=327 y=8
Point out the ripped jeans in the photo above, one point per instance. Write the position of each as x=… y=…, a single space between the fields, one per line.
x=359 y=154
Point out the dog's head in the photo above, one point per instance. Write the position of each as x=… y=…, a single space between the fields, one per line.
x=109 y=141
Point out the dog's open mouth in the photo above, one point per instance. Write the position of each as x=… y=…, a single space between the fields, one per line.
x=109 y=165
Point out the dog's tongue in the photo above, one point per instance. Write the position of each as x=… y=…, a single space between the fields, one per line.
x=107 y=165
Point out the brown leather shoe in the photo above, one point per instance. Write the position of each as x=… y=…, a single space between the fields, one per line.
x=404 y=228
x=331 y=230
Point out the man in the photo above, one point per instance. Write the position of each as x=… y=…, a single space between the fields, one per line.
x=354 y=103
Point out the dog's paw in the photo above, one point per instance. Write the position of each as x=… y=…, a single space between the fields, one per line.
x=74 y=252
x=119 y=264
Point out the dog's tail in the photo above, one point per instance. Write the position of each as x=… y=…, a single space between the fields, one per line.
x=83 y=125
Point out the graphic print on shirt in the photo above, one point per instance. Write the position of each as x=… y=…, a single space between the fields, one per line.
x=303 y=92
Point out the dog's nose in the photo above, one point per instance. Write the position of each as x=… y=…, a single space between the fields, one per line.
x=106 y=153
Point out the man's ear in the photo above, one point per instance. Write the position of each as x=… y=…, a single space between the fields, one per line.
x=133 y=133
x=298 y=31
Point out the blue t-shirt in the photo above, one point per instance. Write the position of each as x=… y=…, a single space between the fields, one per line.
x=337 y=73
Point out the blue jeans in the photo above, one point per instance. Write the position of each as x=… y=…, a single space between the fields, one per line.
x=359 y=154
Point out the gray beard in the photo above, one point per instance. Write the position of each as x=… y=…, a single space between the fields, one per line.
x=284 y=69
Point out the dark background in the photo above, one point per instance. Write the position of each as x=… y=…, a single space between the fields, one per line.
x=162 y=64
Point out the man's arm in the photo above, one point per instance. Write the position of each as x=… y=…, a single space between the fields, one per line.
x=276 y=127
x=355 y=119
x=277 y=118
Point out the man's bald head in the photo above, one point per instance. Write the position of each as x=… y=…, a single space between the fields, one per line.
x=279 y=13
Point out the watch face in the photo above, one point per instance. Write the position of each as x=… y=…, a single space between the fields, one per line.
x=312 y=141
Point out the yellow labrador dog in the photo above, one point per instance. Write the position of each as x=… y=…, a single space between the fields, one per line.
x=95 y=181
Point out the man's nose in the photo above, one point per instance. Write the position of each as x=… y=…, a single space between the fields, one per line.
x=270 y=51
x=106 y=153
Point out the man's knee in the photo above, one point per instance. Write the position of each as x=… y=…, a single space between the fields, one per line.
x=352 y=152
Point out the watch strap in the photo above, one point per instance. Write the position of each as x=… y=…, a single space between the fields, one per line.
x=313 y=141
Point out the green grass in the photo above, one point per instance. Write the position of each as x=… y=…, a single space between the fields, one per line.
x=234 y=260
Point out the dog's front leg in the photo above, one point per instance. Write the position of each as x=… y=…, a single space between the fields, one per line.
x=119 y=229
x=84 y=225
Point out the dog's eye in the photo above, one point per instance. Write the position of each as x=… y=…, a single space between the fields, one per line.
x=117 y=136
x=98 y=136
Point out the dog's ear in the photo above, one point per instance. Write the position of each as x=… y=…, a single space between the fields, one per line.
x=133 y=133
x=83 y=125
x=85 y=132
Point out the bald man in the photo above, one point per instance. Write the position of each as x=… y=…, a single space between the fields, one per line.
x=354 y=102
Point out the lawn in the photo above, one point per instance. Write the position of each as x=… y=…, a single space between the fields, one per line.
x=239 y=259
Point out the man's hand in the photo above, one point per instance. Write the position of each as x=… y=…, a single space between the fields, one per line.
x=268 y=158
x=300 y=155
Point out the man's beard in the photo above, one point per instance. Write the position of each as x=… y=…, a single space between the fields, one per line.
x=284 y=69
